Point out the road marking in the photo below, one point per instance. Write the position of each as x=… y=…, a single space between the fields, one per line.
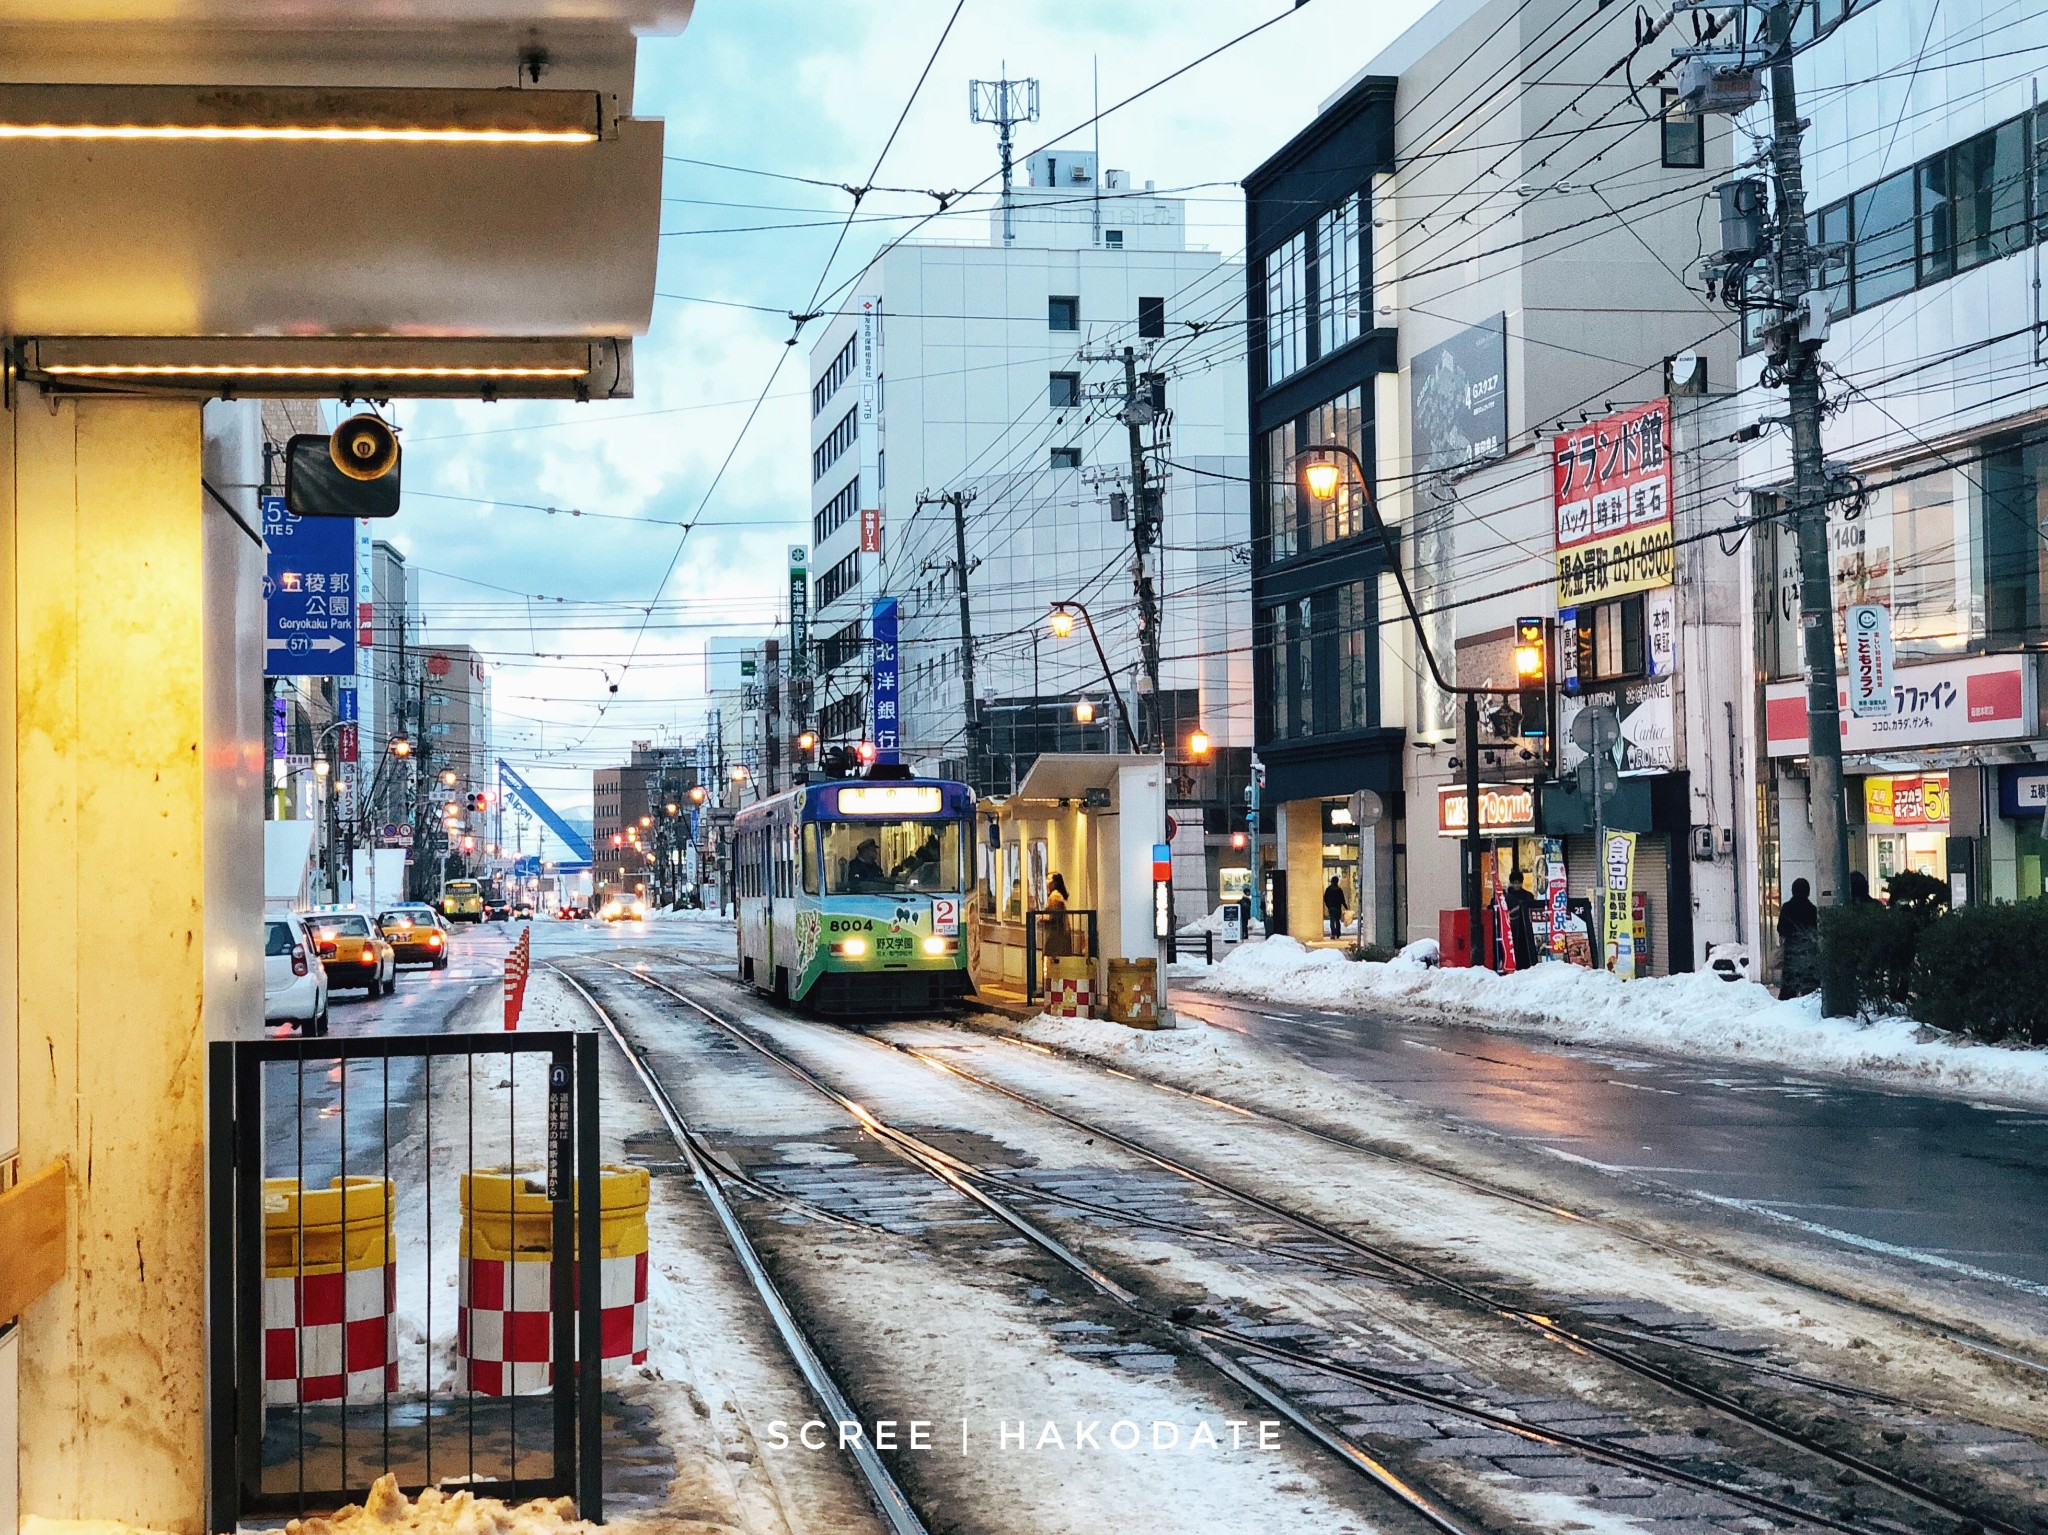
x=1872 y=1244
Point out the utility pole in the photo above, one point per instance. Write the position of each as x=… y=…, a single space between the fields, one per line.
x=1722 y=77
x=1145 y=518
x=959 y=501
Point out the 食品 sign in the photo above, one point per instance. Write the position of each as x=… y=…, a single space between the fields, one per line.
x=1613 y=495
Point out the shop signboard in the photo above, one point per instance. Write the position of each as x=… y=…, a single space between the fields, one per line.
x=1934 y=703
x=884 y=676
x=1906 y=804
x=1459 y=399
x=1505 y=810
x=1613 y=501
x=1557 y=895
x=2022 y=790
x=1869 y=626
x=1617 y=869
x=1649 y=740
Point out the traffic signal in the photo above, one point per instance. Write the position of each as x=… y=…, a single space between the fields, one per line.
x=1532 y=674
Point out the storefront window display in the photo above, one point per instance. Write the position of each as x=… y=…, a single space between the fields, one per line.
x=1906 y=826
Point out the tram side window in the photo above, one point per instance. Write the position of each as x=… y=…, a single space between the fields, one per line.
x=807 y=843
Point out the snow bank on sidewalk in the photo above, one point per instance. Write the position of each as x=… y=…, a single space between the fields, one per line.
x=1697 y=1015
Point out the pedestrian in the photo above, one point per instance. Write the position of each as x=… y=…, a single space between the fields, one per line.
x=1859 y=889
x=1333 y=907
x=1522 y=921
x=1059 y=937
x=1799 y=942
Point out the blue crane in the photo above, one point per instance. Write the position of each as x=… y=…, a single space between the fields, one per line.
x=579 y=846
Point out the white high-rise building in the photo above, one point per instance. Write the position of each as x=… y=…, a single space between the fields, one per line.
x=996 y=369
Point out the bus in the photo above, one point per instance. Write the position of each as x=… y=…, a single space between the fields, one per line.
x=852 y=894
x=462 y=900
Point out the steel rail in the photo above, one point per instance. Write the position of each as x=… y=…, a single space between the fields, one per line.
x=1478 y=1185
x=889 y=1499
x=1704 y=1396
x=946 y=1169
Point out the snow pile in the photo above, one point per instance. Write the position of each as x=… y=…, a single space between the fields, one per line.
x=388 y=1509
x=1697 y=1015
x=1100 y=1039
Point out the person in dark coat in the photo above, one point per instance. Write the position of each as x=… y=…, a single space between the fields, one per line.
x=1859 y=889
x=1522 y=921
x=1799 y=942
x=1333 y=907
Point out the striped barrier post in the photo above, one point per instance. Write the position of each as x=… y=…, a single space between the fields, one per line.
x=517 y=964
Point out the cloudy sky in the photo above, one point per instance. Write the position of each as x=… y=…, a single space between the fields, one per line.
x=567 y=607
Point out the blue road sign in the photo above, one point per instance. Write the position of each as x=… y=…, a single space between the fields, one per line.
x=309 y=594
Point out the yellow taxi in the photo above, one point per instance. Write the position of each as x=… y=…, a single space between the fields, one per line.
x=415 y=937
x=352 y=951
x=462 y=900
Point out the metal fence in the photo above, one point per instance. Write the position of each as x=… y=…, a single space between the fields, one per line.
x=396 y=1228
x=1065 y=920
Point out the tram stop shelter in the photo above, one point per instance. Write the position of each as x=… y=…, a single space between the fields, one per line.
x=1093 y=819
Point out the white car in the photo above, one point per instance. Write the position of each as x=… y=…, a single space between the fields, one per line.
x=294 y=980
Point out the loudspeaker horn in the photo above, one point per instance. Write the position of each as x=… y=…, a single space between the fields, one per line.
x=364 y=448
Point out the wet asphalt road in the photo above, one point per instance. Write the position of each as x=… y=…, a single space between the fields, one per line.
x=1955 y=1188
x=309 y=1110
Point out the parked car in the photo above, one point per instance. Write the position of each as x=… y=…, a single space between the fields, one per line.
x=415 y=937
x=294 y=980
x=354 y=953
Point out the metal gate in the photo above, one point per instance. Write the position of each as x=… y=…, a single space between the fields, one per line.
x=345 y=1343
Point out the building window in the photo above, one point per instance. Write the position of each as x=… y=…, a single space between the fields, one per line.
x=1066 y=458
x=1296 y=523
x=838 y=373
x=1151 y=318
x=1988 y=181
x=1287 y=310
x=1340 y=294
x=833 y=515
x=1065 y=391
x=1062 y=313
x=1684 y=138
x=1937 y=250
x=1318 y=657
x=1881 y=263
x=839 y=580
x=1113 y=239
x=837 y=441
x=1609 y=641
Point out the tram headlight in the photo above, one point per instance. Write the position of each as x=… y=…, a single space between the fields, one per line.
x=936 y=945
x=851 y=948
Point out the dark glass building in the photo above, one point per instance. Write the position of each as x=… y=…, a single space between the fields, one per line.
x=1316 y=352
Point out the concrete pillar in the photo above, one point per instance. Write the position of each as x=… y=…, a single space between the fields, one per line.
x=1305 y=881
x=127 y=597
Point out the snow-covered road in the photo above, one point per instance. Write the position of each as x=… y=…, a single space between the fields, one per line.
x=936 y=1303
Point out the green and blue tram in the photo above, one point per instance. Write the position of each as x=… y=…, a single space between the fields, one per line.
x=853 y=893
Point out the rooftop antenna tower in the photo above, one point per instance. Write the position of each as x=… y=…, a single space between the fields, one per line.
x=1005 y=103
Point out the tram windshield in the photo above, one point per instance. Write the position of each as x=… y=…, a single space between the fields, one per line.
x=890 y=857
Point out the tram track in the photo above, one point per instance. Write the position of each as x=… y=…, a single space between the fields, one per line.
x=1607 y=1225
x=991 y=1192
x=880 y=1484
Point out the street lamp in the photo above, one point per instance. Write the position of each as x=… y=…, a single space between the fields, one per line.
x=448 y=778
x=321 y=769
x=399 y=747
x=807 y=740
x=1084 y=712
x=647 y=820
x=1198 y=743
x=696 y=794
x=1062 y=622
x=1322 y=477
